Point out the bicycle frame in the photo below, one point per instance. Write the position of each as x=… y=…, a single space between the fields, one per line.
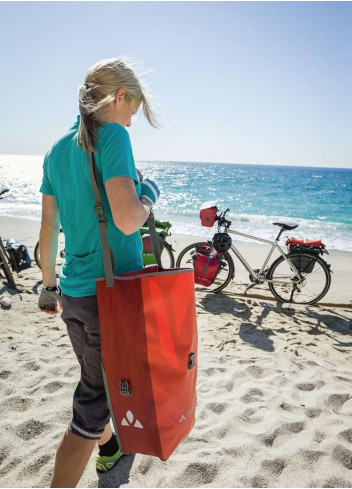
x=274 y=245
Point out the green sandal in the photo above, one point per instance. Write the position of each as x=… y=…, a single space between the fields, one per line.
x=104 y=463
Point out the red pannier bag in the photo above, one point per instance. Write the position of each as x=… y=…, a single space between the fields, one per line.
x=306 y=242
x=208 y=216
x=206 y=267
x=149 y=349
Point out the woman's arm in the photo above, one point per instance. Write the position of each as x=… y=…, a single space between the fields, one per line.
x=128 y=211
x=48 y=238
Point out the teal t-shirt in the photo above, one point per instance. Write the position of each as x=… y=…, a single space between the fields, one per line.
x=66 y=176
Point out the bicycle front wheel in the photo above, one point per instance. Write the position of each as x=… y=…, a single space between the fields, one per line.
x=185 y=260
x=311 y=286
x=6 y=269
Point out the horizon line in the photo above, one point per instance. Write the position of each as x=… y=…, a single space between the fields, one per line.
x=208 y=162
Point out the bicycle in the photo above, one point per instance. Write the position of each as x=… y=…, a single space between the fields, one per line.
x=5 y=259
x=300 y=276
x=163 y=231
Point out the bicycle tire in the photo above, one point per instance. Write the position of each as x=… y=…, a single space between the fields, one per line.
x=168 y=248
x=185 y=260
x=7 y=272
x=315 y=274
x=60 y=253
x=36 y=255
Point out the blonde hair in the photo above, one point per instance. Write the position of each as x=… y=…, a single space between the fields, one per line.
x=102 y=82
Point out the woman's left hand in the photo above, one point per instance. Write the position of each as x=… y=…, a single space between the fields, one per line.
x=49 y=300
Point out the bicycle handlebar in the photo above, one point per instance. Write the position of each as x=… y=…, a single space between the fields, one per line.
x=222 y=219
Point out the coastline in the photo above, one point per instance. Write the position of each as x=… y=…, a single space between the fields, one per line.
x=274 y=389
x=27 y=232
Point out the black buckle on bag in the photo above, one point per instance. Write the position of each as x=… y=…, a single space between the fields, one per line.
x=191 y=360
x=99 y=211
x=125 y=388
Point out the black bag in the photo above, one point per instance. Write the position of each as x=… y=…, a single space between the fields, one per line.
x=304 y=263
x=19 y=256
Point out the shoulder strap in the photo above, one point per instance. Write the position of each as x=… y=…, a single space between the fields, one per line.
x=108 y=256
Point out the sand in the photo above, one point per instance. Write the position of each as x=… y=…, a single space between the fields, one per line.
x=274 y=388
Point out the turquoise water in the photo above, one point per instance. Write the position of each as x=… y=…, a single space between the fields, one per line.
x=318 y=199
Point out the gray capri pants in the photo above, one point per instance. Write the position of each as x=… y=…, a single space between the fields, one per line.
x=90 y=407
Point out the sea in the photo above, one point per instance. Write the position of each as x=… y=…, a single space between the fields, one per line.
x=319 y=200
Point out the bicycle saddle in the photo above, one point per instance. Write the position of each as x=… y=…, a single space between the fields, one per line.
x=285 y=226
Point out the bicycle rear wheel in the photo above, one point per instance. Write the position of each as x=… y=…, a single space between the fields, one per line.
x=227 y=272
x=6 y=269
x=315 y=279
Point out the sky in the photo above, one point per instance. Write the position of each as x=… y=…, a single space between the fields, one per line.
x=232 y=82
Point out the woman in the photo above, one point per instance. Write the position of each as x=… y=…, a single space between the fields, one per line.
x=110 y=96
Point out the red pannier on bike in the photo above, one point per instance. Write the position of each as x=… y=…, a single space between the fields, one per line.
x=305 y=242
x=208 y=216
x=206 y=266
x=303 y=262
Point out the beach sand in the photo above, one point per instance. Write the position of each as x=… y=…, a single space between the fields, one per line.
x=274 y=388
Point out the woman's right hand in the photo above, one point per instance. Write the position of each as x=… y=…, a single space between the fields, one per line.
x=149 y=190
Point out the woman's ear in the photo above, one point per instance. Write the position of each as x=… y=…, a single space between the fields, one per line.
x=121 y=92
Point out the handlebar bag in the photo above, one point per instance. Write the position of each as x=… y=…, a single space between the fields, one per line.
x=206 y=267
x=208 y=216
x=149 y=348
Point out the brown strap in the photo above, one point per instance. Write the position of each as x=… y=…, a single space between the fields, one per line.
x=108 y=256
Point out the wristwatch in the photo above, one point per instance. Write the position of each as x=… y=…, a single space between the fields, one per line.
x=54 y=288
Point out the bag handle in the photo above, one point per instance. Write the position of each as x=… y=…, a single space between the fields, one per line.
x=108 y=256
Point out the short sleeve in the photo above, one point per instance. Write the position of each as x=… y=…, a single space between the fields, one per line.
x=116 y=153
x=46 y=187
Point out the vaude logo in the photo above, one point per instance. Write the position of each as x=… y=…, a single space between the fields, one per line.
x=129 y=421
x=183 y=417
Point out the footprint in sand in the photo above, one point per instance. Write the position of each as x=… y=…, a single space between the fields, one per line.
x=18 y=404
x=253 y=395
x=31 y=429
x=256 y=481
x=198 y=474
x=54 y=386
x=34 y=467
x=253 y=416
x=305 y=386
x=311 y=456
x=256 y=372
x=313 y=412
x=5 y=374
x=217 y=408
x=334 y=482
x=212 y=371
x=285 y=429
x=343 y=455
x=347 y=435
x=275 y=466
x=336 y=401
x=33 y=366
x=13 y=463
